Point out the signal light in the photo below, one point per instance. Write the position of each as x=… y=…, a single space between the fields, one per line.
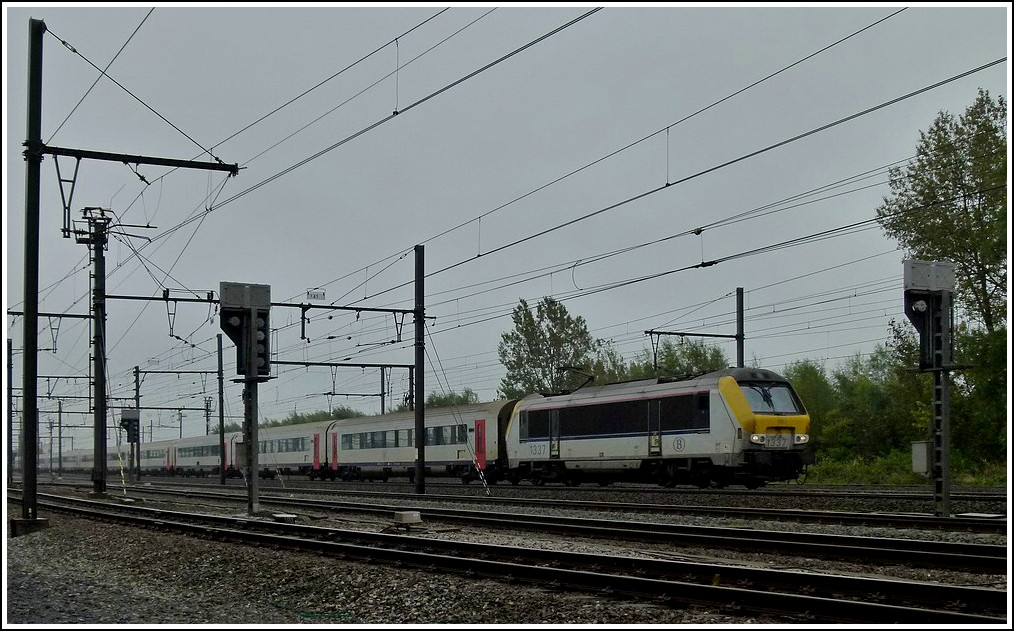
x=262 y=337
x=244 y=313
x=235 y=322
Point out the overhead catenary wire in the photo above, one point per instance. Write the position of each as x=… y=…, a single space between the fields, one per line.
x=135 y=97
x=408 y=107
x=645 y=138
x=209 y=208
x=102 y=73
x=747 y=156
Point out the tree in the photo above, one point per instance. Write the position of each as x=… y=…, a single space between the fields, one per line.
x=452 y=398
x=296 y=418
x=609 y=366
x=541 y=344
x=950 y=204
x=810 y=381
x=688 y=357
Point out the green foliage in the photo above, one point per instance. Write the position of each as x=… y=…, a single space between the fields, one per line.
x=295 y=418
x=895 y=469
x=950 y=204
x=892 y=468
x=688 y=357
x=979 y=393
x=608 y=366
x=810 y=381
x=452 y=398
x=540 y=345
x=434 y=400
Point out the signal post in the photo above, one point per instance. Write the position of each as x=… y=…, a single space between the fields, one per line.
x=929 y=287
x=244 y=312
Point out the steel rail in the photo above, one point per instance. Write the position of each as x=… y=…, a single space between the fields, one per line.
x=963 y=556
x=529 y=565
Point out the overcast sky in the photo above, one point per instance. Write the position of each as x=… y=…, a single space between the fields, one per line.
x=539 y=137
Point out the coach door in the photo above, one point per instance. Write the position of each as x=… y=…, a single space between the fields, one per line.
x=654 y=428
x=334 y=451
x=480 y=444
x=554 y=433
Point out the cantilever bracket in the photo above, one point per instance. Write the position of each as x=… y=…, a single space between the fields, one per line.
x=67 y=198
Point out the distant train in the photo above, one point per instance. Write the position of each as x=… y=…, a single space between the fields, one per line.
x=734 y=426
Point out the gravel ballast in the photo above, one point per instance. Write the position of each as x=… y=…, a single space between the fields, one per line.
x=81 y=571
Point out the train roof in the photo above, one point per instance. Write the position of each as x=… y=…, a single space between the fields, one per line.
x=452 y=411
x=660 y=384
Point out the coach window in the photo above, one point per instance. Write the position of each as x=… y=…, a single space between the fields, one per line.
x=346 y=441
x=462 y=434
x=404 y=438
x=378 y=440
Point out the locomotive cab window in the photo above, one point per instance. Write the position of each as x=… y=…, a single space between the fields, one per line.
x=771 y=398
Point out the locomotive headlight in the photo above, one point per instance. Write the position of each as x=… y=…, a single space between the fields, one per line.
x=802 y=439
x=758 y=439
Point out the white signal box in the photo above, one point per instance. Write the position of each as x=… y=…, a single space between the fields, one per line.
x=929 y=275
x=244 y=295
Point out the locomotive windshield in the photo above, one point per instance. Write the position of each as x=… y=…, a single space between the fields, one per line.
x=771 y=398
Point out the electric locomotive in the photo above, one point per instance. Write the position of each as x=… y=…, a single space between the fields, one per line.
x=737 y=425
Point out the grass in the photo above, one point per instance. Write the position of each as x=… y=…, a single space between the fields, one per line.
x=895 y=469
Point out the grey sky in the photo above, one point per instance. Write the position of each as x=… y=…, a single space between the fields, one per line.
x=346 y=221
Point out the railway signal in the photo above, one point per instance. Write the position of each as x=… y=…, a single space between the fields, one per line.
x=929 y=288
x=130 y=420
x=245 y=311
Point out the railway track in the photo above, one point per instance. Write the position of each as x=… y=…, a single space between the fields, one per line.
x=994 y=523
x=964 y=556
x=773 y=491
x=814 y=597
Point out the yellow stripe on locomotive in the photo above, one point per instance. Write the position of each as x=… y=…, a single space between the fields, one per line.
x=770 y=413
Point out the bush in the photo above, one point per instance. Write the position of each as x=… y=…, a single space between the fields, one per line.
x=895 y=469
